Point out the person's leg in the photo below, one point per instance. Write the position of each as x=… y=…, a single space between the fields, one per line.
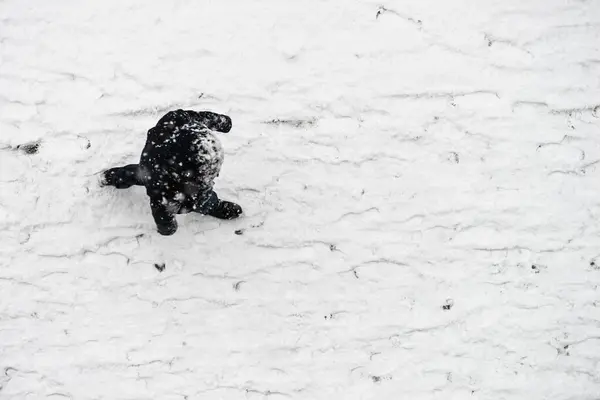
x=213 y=206
x=123 y=177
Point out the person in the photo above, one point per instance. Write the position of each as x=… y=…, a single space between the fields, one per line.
x=178 y=165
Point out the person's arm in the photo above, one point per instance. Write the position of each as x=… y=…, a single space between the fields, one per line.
x=166 y=223
x=213 y=121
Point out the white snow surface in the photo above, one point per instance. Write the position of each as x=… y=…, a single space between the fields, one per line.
x=392 y=158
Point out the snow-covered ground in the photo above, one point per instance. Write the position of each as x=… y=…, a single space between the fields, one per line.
x=421 y=182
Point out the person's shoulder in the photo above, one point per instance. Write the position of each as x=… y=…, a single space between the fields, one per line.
x=173 y=118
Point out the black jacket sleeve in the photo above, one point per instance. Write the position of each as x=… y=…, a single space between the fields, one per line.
x=213 y=121
x=165 y=221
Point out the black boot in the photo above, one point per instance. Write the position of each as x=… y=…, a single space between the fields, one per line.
x=121 y=177
x=226 y=210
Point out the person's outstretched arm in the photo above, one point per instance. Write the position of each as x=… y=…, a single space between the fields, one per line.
x=213 y=121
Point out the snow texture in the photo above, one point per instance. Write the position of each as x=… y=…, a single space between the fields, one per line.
x=420 y=183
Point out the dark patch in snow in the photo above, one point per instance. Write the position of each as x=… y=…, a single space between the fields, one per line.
x=454 y=157
x=239 y=232
x=295 y=123
x=378 y=379
x=333 y=247
x=594 y=265
x=88 y=143
x=237 y=285
x=160 y=266
x=537 y=268
x=563 y=350
x=449 y=304
x=29 y=148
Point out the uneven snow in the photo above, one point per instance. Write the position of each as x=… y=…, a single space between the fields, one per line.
x=420 y=181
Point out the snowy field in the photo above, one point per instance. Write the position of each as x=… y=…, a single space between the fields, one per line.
x=420 y=180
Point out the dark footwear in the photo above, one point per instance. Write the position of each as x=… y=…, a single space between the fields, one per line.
x=226 y=210
x=106 y=178
x=111 y=177
x=120 y=177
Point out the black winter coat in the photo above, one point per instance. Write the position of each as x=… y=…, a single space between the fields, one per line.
x=179 y=163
